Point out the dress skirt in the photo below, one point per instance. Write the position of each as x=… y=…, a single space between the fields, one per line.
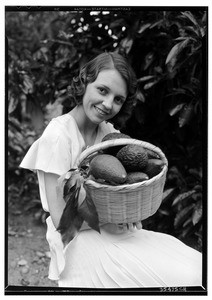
x=126 y=260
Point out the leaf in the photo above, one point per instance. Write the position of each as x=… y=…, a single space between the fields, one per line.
x=183 y=196
x=191 y=17
x=164 y=212
x=116 y=23
x=180 y=38
x=70 y=221
x=127 y=43
x=185 y=115
x=150 y=84
x=156 y=24
x=140 y=97
x=72 y=183
x=69 y=187
x=145 y=78
x=183 y=215
x=196 y=173
x=87 y=211
x=174 y=52
x=143 y=27
x=28 y=84
x=176 y=109
x=197 y=215
x=168 y=193
x=148 y=59
x=13 y=103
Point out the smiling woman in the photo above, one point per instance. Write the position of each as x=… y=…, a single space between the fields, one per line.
x=123 y=255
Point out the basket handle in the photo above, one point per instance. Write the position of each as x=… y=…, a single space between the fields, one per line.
x=119 y=142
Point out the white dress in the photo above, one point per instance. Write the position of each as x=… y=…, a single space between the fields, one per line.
x=108 y=260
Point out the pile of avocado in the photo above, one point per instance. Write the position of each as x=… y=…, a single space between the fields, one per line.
x=124 y=164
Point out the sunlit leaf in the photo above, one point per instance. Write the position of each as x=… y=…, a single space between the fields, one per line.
x=145 y=78
x=143 y=27
x=155 y=24
x=127 y=44
x=148 y=59
x=187 y=222
x=140 y=97
x=164 y=212
x=150 y=84
x=176 y=109
x=13 y=102
x=197 y=215
x=185 y=115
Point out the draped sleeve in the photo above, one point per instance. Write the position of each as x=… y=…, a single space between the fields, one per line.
x=57 y=149
x=50 y=153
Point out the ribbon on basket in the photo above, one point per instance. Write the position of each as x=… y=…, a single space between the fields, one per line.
x=79 y=206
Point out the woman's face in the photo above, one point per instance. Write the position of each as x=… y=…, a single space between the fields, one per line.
x=105 y=96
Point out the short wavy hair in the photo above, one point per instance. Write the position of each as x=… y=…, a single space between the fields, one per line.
x=89 y=73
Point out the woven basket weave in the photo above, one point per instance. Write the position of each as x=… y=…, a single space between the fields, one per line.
x=126 y=203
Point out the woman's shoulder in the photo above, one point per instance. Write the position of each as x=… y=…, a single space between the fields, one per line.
x=60 y=125
x=61 y=121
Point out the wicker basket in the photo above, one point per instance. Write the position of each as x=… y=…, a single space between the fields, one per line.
x=126 y=203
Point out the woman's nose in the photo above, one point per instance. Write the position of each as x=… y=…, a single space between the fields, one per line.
x=108 y=102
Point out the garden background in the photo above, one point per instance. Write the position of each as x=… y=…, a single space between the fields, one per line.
x=167 y=48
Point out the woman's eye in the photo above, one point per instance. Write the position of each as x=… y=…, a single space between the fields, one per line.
x=102 y=91
x=119 y=100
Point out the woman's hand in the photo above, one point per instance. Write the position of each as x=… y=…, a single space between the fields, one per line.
x=120 y=228
x=131 y=226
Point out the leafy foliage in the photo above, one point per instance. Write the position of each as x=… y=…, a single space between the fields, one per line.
x=73 y=214
x=167 y=49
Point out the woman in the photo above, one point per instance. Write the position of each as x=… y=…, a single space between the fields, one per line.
x=124 y=256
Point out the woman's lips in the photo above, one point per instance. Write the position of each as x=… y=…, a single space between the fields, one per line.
x=100 y=111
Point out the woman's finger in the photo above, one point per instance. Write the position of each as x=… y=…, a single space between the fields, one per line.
x=131 y=227
x=138 y=225
x=123 y=227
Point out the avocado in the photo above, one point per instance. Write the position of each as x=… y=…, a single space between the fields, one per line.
x=109 y=168
x=152 y=154
x=133 y=157
x=154 y=167
x=111 y=136
x=133 y=177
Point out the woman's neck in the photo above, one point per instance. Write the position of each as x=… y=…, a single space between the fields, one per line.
x=87 y=129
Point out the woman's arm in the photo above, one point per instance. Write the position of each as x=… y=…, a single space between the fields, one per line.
x=54 y=197
x=56 y=203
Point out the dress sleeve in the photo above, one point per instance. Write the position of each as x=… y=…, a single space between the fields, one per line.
x=50 y=153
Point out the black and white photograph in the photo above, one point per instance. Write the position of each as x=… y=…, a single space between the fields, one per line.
x=106 y=113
